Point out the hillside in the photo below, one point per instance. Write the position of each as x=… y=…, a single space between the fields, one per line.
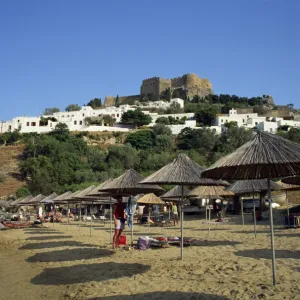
x=9 y=171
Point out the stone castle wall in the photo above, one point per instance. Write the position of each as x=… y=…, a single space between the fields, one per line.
x=191 y=83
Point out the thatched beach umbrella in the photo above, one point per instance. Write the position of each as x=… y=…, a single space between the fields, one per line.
x=129 y=184
x=25 y=200
x=264 y=156
x=182 y=171
x=150 y=199
x=16 y=202
x=36 y=200
x=4 y=204
x=174 y=195
x=294 y=180
x=49 y=199
x=209 y=192
x=252 y=186
x=287 y=184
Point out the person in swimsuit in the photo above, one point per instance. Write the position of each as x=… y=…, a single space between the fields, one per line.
x=174 y=213
x=119 y=220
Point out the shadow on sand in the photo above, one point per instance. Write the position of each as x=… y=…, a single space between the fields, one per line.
x=88 y=272
x=209 y=243
x=43 y=232
x=266 y=253
x=70 y=255
x=49 y=237
x=46 y=245
x=165 y=295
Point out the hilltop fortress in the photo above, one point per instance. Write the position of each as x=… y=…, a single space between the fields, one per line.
x=187 y=85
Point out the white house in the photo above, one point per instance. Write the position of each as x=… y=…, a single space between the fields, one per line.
x=240 y=119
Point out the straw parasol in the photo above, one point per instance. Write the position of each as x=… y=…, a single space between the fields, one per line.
x=209 y=191
x=264 y=156
x=252 y=186
x=25 y=200
x=16 y=202
x=150 y=199
x=95 y=193
x=174 y=193
x=182 y=171
x=49 y=199
x=60 y=199
x=129 y=184
x=4 y=203
x=36 y=200
x=294 y=180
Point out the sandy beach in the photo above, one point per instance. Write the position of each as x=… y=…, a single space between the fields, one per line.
x=227 y=263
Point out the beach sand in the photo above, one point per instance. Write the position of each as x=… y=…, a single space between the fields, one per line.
x=227 y=263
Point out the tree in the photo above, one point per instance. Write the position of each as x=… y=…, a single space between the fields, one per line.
x=175 y=94
x=142 y=139
x=50 y=111
x=161 y=129
x=73 y=107
x=164 y=142
x=174 y=108
x=94 y=103
x=203 y=139
x=162 y=120
x=206 y=114
x=117 y=104
x=136 y=118
x=22 y=192
x=108 y=120
x=230 y=124
x=61 y=132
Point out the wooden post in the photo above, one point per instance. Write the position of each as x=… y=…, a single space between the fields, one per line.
x=242 y=207
x=272 y=233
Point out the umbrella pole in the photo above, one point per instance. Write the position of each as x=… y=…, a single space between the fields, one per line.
x=53 y=214
x=110 y=219
x=272 y=233
x=254 y=216
x=288 y=209
x=149 y=221
x=181 y=224
x=79 y=216
x=68 y=216
x=206 y=209
x=243 y=220
x=131 y=217
x=209 y=217
x=91 y=219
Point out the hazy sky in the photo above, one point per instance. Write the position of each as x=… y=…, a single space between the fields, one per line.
x=53 y=53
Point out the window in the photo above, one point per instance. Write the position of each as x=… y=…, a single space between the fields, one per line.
x=33 y=124
x=256 y=123
x=243 y=120
x=247 y=116
x=18 y=121
x=27 y=124
x=9 y=127
x=271 y=130
x=222 y=120
x=75 y=122
x=83 y=115
x=80 y=122
x=118 y=115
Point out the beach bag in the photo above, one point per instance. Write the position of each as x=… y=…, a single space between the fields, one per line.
x=123 y=240
x=143 y=244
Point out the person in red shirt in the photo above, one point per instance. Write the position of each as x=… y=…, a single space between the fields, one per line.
x=119 y=220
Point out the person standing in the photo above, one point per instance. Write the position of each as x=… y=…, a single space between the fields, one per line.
x=174 y=213
x=119 y=220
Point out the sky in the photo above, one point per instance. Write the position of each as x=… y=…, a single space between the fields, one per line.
x=54 y=53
